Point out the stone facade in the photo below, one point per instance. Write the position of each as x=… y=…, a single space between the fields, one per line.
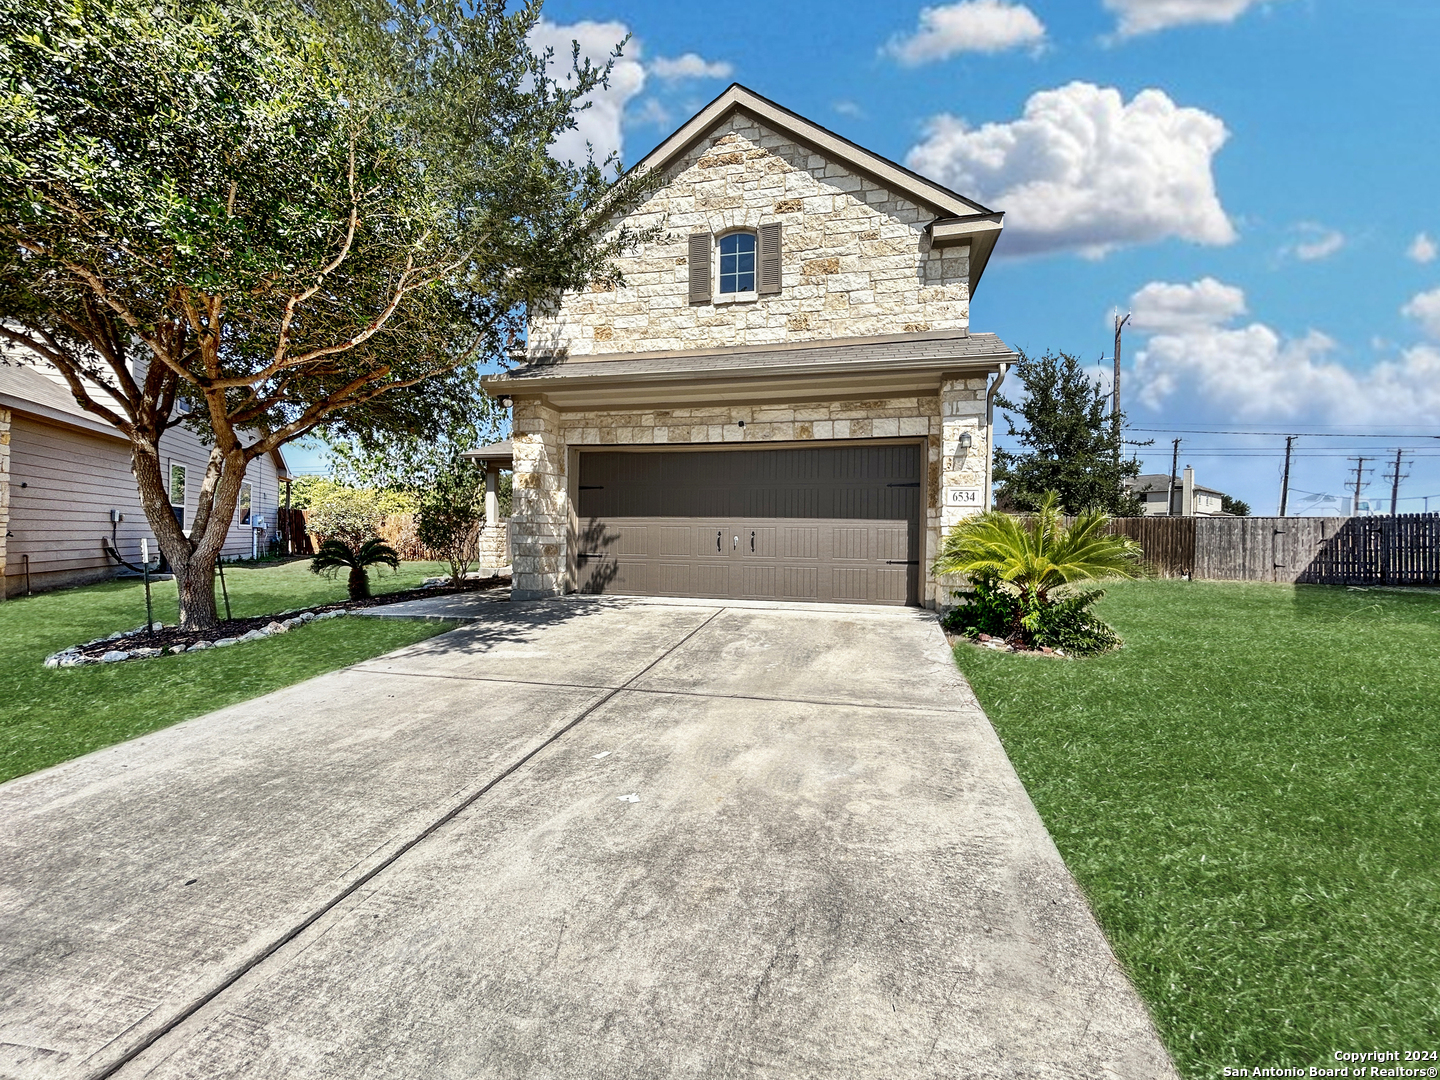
x=856 y=262
x=4 y=491
x=855 y=259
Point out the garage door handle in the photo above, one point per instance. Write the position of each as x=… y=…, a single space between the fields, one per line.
x=902 y=562
x=752 y=541
x=736 y=545
x=717 y=541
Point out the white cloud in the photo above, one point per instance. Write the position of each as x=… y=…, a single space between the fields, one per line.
x=1253 y=373
x=600 y=124
x=1424 y=308
x=1165 y=308
x=1422 y=249
x=1323 y=243
x=1147 y=16
x=1083 y=170
x=689 y=66
x=651 y=112
x=985 y=26
x=849 y=108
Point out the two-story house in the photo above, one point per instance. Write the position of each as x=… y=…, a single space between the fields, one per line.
x=783 y=401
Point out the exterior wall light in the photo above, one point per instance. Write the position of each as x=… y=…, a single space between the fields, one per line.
x=965 y=440
x=506 y=401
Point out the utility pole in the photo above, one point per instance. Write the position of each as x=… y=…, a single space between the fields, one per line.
x=1359 y=484
x=1115 y=388
x=1170 y=490
x=1395 y=479
x=1285 y=480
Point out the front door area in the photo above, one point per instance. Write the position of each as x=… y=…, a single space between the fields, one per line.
x=825 y=523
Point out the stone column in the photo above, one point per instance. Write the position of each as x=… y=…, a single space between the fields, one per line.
x=4 y=492
x=492 y=495
x=539 y=517
x=962 y=467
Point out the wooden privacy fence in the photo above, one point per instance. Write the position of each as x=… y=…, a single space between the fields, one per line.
x=1396 y=550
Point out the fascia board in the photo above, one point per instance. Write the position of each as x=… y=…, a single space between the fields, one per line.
x=868 y=370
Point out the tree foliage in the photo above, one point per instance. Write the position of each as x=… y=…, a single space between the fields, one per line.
x=1238 y=507
x=262 y=220
x=1068 y=439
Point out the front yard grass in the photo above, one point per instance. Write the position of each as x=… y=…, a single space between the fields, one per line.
x=49 y=716
x=1248 y=794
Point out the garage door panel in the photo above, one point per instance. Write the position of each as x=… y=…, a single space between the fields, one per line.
x=800 y=542
x=823 y=523
x=758 y=582
x=799 y=582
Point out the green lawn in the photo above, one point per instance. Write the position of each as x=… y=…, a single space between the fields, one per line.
x=49 y=716
x=1248 y=794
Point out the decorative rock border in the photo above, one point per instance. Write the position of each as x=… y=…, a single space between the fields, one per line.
x=75 y=655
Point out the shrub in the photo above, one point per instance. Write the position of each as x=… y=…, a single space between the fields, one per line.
x=349 y=515
x=450 y=514
x=1022 y=573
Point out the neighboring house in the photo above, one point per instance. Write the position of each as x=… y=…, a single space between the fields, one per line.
x=1186 y=498
x=66 y=488
x=783 y=401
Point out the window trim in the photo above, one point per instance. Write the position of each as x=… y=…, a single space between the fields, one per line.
x=753 y=293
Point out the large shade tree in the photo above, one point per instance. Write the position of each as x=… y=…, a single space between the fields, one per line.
x=261 y=220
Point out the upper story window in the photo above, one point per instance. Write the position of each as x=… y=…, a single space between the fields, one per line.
x=737 y=263
x=749 y=265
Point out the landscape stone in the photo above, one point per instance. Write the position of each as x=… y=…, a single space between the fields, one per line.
x=114 y=656
x=224 y=641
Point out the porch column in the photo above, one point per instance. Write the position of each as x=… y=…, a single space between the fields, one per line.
x=492 y=494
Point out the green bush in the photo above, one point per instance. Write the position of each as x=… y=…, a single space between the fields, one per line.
x=1019 y=615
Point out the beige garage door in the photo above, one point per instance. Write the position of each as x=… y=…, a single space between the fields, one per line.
x=830 y=524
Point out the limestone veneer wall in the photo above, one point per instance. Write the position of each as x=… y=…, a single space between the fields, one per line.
x=543 y=437
x=855 y=258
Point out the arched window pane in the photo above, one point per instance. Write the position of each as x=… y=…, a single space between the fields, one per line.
x=737 y=263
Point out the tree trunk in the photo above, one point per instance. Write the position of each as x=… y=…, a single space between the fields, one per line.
x=192 y=558
x=196 y=584
x=359 y=583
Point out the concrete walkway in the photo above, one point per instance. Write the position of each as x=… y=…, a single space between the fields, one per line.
x=572 y=839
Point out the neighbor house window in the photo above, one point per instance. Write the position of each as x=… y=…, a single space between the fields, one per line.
x=737 y=263
x=177 y=493
x=244 y=505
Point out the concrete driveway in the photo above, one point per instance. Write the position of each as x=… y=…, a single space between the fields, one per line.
x=581 y=838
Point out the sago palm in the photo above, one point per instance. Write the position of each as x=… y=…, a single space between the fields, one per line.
x=334 y=554
x=1038 y=553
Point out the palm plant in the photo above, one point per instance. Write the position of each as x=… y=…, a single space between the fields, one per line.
x=334 y=554
x=1036 y=555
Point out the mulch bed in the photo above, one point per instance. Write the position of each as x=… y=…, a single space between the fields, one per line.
x=171 y=636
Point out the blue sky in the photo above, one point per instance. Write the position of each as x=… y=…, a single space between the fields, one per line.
x=1255 y=181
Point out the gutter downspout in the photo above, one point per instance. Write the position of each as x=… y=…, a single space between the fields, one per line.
x=990 y=430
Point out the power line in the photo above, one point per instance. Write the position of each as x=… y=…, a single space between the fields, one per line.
x=1308 y=434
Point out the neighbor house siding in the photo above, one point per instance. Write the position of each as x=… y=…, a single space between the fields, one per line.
x=72 y=479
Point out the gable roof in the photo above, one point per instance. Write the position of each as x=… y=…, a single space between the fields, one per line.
x=958 y=219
